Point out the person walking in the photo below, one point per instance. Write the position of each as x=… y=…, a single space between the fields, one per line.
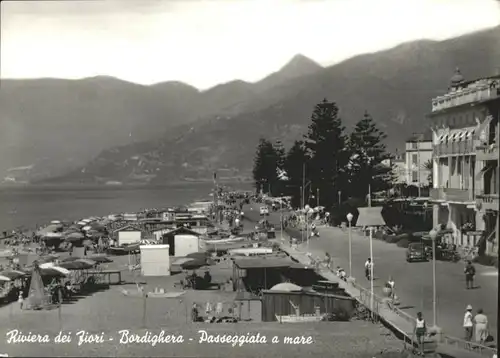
x=470 y=272
x=368 y=268
x=481 y=322
x=420 y=331
x=392 y=285
x=468 y=324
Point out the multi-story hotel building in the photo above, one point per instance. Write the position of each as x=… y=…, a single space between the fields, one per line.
x=418 y=152
x=464 y=122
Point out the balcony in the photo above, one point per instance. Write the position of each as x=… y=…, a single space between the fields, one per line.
x=487 y=201
x=478 y=91
x=489 y=152
x=454 y=148
x=452 y=194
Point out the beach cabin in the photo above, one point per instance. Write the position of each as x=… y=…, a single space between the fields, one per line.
x=182 y=241
x=128 y=234
x=155 y=260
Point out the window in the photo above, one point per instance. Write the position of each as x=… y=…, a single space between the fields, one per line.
x=414 y=176
x=414 y=159
x=414 y=145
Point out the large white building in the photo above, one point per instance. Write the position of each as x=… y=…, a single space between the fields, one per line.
x=465 y=161
x=418 y=153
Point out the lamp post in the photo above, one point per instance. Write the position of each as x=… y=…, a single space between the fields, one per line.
x=349 y=220
x=306 y=215
x=281 y=218
x=433 y=235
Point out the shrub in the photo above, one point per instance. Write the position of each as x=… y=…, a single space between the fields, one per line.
x=392 y=239
x=404 y=243
x=486 y=260
x=379 y=235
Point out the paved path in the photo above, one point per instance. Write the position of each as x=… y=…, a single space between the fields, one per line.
x=413 y=280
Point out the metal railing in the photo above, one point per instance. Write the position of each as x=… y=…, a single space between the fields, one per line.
x=379 y=303
x=470 y=346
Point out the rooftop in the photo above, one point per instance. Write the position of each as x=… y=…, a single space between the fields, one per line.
x=266 y=262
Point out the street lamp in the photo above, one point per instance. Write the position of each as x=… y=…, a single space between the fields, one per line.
x=433 y=234
x=349 y=219
x=306 y=215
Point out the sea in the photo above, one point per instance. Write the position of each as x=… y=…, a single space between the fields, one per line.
x=28 y=207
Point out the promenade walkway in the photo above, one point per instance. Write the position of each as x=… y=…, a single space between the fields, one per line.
x=413 y=281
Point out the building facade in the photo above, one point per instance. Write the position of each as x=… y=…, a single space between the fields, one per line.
x=464 y=122
x=418 y=153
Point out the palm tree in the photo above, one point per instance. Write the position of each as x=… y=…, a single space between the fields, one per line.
x=428 y=166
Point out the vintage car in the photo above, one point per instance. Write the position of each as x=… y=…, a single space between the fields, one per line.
x=416 y=252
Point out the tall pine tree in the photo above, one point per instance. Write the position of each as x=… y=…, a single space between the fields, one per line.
x=293 y=164
x=368 y=153
x=279 y=151
x=325 y=143
x=265 y=164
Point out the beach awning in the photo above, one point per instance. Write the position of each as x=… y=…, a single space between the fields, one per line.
x=262 y=263
x=370 y=216
x=62 y=270
x=455 y=136
x=470 y=133
x=12 y=274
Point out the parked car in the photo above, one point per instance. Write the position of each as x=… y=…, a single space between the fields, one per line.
x=264 y=210
x=416 y=252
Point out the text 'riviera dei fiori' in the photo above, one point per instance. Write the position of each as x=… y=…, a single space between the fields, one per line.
x=127 y=337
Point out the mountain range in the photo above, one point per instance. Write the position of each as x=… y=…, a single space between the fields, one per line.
x=104 y=129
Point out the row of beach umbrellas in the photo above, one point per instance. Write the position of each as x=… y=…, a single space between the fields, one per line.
x=49 y=268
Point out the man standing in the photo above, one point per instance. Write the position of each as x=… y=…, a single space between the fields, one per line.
x=368 y=268
x=470 y=272
x=468 y=325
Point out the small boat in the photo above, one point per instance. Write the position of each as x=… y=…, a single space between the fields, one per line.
x=299 y=319
x=124 y=250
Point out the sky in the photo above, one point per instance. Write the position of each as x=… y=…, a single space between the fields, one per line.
x=208 y=42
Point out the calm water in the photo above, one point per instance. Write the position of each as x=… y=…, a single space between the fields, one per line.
x=31 y=206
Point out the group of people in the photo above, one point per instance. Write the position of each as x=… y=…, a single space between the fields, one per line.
x=477 y=324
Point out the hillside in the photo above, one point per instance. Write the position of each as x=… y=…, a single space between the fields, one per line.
x=395 y=86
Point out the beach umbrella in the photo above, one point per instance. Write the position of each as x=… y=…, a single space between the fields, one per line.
x=74 y=236
x=51 y=272
x=62 y=270
x=71 y=258
x=86 y=228
x=89 y=262
x=81 y=223
x=47 y=258
x=198 y=255
x=76 y=265
x=12 y=274
x=55 y=222
x=100 y=259
x=194 y=264
x=4 y=278
x=46 y=265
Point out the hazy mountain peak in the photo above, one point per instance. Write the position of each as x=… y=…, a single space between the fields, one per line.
x=300 y=65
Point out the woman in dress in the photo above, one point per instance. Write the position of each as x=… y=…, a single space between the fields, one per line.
x=481 y=326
